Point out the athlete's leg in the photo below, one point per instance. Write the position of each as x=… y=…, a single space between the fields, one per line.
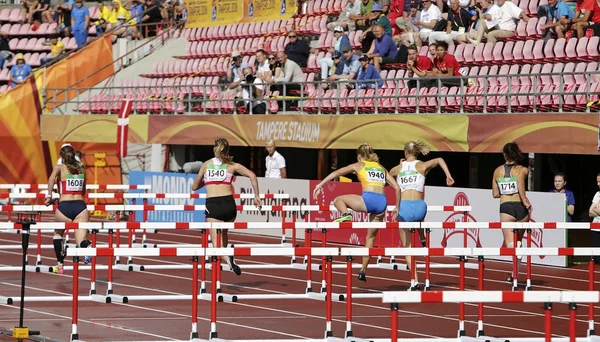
x=57 y=241
x=354 y=202
x=213 y=237
x=81 y=234
x=370 y=241
x=406 y=238
x=507 y=232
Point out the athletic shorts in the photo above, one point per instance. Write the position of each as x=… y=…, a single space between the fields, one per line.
x=376 y=203
x=71 y=209
x=222 y=208
x=412 y=210
x=514 y=209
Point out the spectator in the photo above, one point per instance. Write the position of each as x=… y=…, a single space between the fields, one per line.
x=253 y=91
x=39 y=13
x=353 y=9
x=28 y=7
x=560 y=182
x=263 y=68
x=430 y=15
x=385 y=5
x=19 y=72
x=56 y=49
x=62 y=16
x=508 y=13
x=349 y=66
x=80 y=21
x=486 y=17
x=594 y=213
x=118 y=10
x=587 y=13
x=398 y=9
x=361 y=20
x=383 y=49
x=559 y=16
x=123 y=29
x=378 y=18
x=446 y=66
x=275 y=68
x=334 y=69
x=136 y=11
x=297 y=49
x=342 y=41
x=418 y=66
x=153 y=15
x=5 y=53
x=104 y=14
x=290 y=72
x=234 y=72
x=368 y=76
x=459 y=21
x=407 y=26
x=274 y=162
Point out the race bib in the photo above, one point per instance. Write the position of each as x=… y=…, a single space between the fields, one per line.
x=216 y=173
x=507 y=186
x=74 y=183
x=408 y=179
x=375 y=175
x=461 y=30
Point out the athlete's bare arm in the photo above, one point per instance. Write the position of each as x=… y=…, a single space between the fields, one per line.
x=55 y=173
x=495 y=190
x=199 y=181
x=242 y=170
x=521 y=180
x=337 y=173
x=392 y=182
x=430 y=164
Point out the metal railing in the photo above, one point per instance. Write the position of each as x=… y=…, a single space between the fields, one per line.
x=486 y=94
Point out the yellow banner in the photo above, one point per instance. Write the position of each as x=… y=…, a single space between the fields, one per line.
x=206 y=13
x=263 y=10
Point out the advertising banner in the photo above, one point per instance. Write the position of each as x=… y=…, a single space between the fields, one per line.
x=168 y=182
x=547 y=207
x=206 y=13
x=264 y=10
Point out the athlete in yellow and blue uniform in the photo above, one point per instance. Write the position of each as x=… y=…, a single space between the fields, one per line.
x=373 y=177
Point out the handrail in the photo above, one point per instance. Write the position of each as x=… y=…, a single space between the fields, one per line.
x=214 y=98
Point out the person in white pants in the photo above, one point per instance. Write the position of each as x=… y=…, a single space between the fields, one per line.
x=459 y=21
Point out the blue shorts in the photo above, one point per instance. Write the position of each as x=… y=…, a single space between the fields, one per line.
x=412 y=210
x=376 y=203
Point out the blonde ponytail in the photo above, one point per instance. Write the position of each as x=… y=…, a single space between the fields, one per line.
x=221 y=150
x=415 y=147
x=366 y=152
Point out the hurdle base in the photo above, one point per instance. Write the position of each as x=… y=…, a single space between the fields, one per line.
x=6 y=300
x=336 y=297
x=129 y=267
x=482 y=338
x=592 y=336
x=213 y=334
x=194 y=336
x=100 y=298
x=480 y=333
x=32 y=268
x=74 y=337
x=222 y=297
x=118 y=299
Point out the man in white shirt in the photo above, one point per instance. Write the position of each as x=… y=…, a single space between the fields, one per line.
x=507 y=15
x=263 y=69
x=274 y=162
x=253 y=91
x=430 y=15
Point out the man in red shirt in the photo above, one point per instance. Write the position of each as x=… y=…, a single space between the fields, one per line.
x=587 y=13
x=418 y=66
x=446 y=65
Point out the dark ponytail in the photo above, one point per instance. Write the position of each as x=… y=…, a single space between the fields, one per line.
x=67 y=154
x=512 y=152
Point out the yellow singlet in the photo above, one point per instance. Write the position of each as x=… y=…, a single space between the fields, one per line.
x=372 y=174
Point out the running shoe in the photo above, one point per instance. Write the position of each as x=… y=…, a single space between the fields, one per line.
x=344 y=218
x=362 y=276
x=234 y=267
x=424 y=242
x=58 y=269
x=88 y=258
x=416 y=287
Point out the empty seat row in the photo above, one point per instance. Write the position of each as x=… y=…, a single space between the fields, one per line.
x=25 y=30
x=35 y=44
x=223 y=48
x=316 y=7
x=192 y=67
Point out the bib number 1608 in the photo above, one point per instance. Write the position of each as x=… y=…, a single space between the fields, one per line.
x=75 y=183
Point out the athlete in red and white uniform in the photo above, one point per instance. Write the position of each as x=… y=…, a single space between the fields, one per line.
x=218 y=174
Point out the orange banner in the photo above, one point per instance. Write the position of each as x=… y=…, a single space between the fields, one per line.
x=540 y=133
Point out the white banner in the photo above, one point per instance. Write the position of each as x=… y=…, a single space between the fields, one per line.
x=297 y=189
x=547 y=207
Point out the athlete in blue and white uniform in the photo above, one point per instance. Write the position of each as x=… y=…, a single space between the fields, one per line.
x=410 y=175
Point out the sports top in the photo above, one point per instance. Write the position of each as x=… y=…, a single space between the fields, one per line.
x=508 y=184
x=409 y=178
x=371 y=174
x=73 y=184
x=216 y=173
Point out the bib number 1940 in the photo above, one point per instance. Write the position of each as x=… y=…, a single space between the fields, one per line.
x=376 y=176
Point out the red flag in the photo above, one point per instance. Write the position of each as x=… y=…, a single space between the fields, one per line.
x=123 y=128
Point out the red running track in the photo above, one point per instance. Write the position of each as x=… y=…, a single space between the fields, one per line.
x=273 y=319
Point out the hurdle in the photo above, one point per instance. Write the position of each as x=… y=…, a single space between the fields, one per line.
x=88 y=186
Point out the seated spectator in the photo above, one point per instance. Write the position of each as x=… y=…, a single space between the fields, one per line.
x=405 y=24
x=104 y=14
x=234 y=72
x=508 y=13
x=56 y=49
x=123 y=29
x=458 y=20
x=445 y=66
x=385 y=6
x=36 y=10
x=353 y=9
x=118 y=10
x=559 y=16
x=153 y=14
x=398 y=9
x=368 y=76
x=27 y=10
x=80 y=22
x=263 y=68
x=349 y=66
x=5 y=53
x=297 y=49
x=290 y=72
x=136 y=11
x=486 y=17
x=430 y=15
x=334 y=69
x=361 y=20
x=61 y=16
x=341 y=41
x=587 y=13
x=19 y=72
x=275 y=68
x=378 y=18
x=383 y=49
x=253 y=91
x=418 y=66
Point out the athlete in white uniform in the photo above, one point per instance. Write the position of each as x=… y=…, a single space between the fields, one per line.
x=410 y=175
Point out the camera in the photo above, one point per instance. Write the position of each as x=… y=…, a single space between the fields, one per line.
x=250 y=78
x=477 y=5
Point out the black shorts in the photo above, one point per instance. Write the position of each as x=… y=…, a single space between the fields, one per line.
x=72 y=208
x=222 y=208
x=514 y=209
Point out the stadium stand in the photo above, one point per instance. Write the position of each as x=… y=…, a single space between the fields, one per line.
x=519 y=73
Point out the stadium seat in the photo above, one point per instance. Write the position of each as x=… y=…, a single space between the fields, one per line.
x=5 y=15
